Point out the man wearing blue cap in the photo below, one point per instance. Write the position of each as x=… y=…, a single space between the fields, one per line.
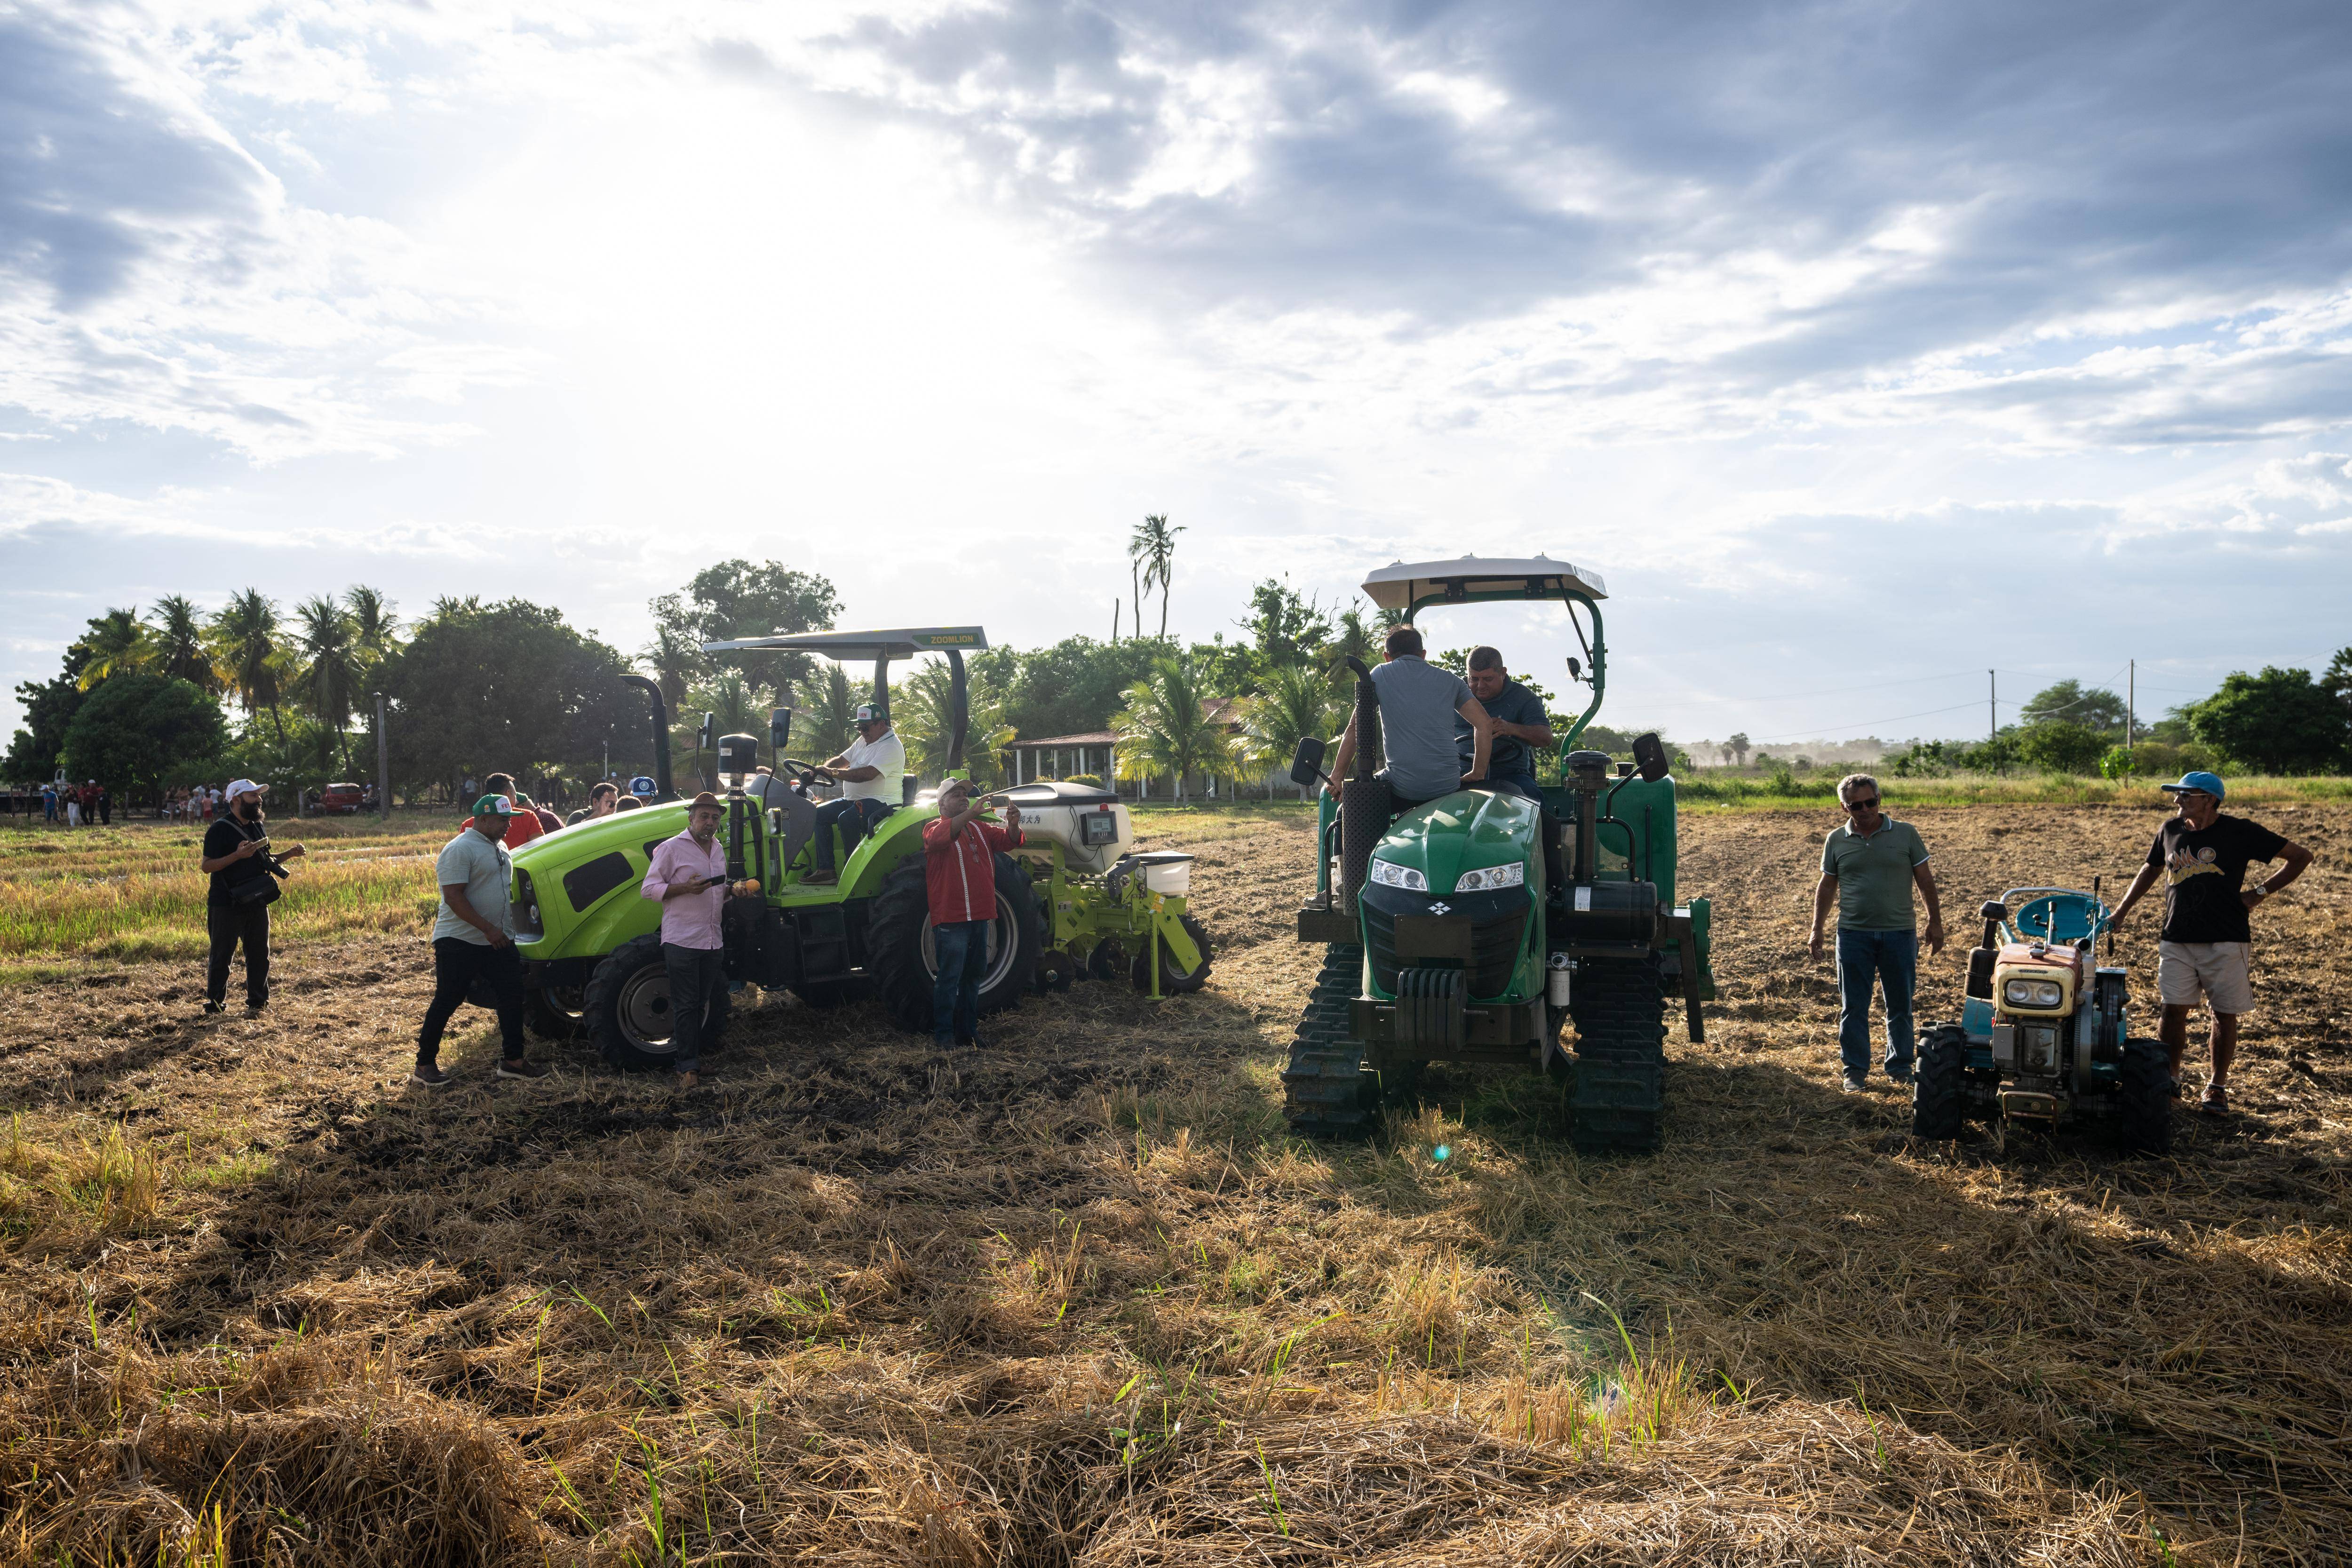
x=2202 y=950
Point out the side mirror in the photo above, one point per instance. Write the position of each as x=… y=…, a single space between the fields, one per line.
x=1650 y=757
x=780 y=731
x=705 y=736
x=1307 y=763
x=1575 y=670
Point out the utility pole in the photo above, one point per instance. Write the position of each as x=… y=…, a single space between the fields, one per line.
x=382 y=765
x=1992 y=706
x=2131 y=706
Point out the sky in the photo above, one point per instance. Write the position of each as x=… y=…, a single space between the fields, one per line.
x=1862 y=348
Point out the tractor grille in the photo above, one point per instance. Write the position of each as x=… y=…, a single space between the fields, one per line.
x=1498 y=926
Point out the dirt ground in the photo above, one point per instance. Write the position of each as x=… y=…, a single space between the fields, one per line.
x=1078 y=1299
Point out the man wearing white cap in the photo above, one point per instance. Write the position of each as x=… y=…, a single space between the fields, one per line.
x=869 y=771
x=236 y=909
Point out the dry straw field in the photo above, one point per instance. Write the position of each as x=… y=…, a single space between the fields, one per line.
x=1077 y=1299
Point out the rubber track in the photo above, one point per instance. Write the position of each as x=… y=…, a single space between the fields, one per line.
x=1325 y=1090
x=1617 y=1101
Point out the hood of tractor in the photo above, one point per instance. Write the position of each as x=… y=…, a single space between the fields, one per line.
x=576 y=889
x=2036 y=979
x=1463 y=832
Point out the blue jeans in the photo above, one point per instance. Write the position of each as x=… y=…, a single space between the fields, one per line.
x=1892 y=959
x=1516 y=784
x=857 y=818
x=963 y=947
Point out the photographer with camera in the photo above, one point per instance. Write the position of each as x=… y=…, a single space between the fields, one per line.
x=244 y=877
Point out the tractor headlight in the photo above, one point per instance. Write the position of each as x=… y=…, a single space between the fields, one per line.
x=1389 y=874
x=1514 y=875
x=2033 y=992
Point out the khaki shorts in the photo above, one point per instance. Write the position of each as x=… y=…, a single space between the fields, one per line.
x=2190 y=972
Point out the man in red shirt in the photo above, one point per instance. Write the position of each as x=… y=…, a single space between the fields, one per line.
x=960 y=873
x=522 y=826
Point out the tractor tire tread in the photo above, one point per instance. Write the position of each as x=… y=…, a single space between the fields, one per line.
x=2142 y=1123
x=1616 y=1097
x=603 y=999
x=1327 y=1091
x=1938 y=1084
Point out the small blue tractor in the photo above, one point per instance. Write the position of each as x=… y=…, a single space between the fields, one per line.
x=2043 y=1036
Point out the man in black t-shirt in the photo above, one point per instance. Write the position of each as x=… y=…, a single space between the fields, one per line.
x=234 y=857
x=2201 y=952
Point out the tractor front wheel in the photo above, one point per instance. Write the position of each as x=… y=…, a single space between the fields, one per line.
x=628 y=1004
x=1938 y=1093
x=905 y=962
x=2142 y=1118
x=555 y=1011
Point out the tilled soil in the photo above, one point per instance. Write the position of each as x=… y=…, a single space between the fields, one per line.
x=486 y=1325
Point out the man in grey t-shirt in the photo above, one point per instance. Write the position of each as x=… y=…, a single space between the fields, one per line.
x=473 y=939
x=1419 y=703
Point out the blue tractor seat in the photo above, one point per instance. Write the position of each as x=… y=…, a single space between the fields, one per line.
x=2062 y=917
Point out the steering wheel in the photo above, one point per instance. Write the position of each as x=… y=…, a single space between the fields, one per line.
x=808 y=771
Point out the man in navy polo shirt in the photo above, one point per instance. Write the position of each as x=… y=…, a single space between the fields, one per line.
x=1519 y=722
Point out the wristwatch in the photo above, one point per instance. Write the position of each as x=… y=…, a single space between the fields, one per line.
x=2259 y=890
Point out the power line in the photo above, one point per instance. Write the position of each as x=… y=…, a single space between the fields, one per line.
x=1820 y=730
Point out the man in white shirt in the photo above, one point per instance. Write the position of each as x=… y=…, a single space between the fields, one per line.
x=869 y=771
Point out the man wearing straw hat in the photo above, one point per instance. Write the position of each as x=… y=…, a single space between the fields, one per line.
x=2202 y=950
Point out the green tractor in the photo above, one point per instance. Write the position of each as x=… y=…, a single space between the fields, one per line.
x=591 y=942
x=1472 y=927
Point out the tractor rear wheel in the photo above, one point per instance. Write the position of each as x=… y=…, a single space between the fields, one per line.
x=1616 y=1099
x=2142 y=1118
x=627 y=1003
x=1939 y=1095
x=905 y=965
x=1326 y=1090
x=1174 y=979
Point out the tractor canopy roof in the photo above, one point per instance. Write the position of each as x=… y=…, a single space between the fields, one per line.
x=1400 y=585
x=902 y=644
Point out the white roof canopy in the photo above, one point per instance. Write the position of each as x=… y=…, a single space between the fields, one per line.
x=1396 y=586
x=903 y=643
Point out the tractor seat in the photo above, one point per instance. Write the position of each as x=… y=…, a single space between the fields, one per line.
x=2061 y=917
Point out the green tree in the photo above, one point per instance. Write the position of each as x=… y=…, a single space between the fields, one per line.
x=2058 y=746
x=2067 y=701
x=1353 y=634
x=922 y=713
x=1070 y=688
x=740 y=598
x=248 y=649
x=2338 y=681
x=507 y=687
x=1283 y=627
x=179 y=636
x=1297 y=703
x=141 y=732
x=1738 y=747
x=119 y=644
x=331 y=666
x=2280 y=721
x=376 y=630
x=1163 y=727
x=824 y=723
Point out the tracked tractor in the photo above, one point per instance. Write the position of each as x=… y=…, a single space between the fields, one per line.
x=591 y=944
x=1480 y=926
x=2043 y=1037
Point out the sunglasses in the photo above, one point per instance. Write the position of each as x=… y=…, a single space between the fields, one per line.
x=1863 y=805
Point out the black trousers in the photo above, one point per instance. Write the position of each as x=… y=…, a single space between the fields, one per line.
x=698 y=1001
x=228 y=925
x=457 y=964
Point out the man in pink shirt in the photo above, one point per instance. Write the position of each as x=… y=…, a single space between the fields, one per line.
x=689 y=876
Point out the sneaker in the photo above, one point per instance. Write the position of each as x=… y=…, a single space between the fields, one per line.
x=688 y=1080
x=2215 y=1100
x=430 y=1076
x=216 y=1007
x=1852 y=1085
x=521 y=1069
x=1900 y=1075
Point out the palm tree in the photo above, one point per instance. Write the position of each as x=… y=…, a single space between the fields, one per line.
x=1158 y=542
x=180 y=643
x=248 y=650
x=333 y=667
x=1354 y=638
x=922 y=713
x=376 y=630
x=676 y=661
x=1163 y=729
x=1295 y=704
x=117 y=643
x=1138 y=549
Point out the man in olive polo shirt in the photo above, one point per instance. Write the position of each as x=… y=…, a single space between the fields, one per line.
x=1869 y=865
